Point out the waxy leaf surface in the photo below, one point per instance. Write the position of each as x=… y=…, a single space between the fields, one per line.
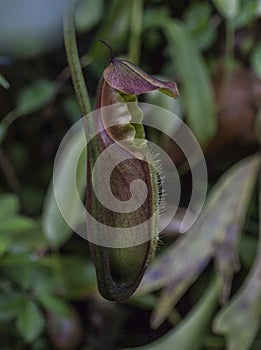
x=239 y=320
x=218 y=226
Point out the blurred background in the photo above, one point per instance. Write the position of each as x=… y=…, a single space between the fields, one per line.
x=206 y=298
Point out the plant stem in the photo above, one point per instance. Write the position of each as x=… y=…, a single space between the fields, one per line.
x=73 y=59
x=229 y=56
x=230 y=44
x=136 y=29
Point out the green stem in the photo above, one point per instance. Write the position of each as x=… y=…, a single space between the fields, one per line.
x=74 y=61
x=230 y=44
x=136 y=29
x=229 y=56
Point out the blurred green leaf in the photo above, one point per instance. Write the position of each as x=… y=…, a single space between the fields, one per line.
x=55 y=228
x=31 y=98
x=75 y=277
x=4 y=244
x=189 y=333
x=24 y=241
x=16 y=224
x=9 y=205
x=28 y=273
x=88 y=14
x=249 y=11
x=3 y=132
x=30 y=321
x=247 y=250
x=54 y=304
x=256 y=60
x=3 y=82
x=31 y=275
x=16 y=259
x=239 y=320
x=35 y=96
x=197 y=18
x=197 y=90
x=215 y=233
x=10 y=303
x=114 y=30
x=17 y=233
x=227 y=8
x=155 y=17
x=69 y=276
x=20 y=233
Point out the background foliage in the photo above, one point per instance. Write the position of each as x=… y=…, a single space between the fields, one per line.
x=203 y=289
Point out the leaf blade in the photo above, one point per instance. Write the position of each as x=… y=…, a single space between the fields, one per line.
x=189 y=333
x=56 y=229
x=3 y=82
x=197 y=90
x=227 y=8
x=30 y=321
x=173 y=269
x=239 y=321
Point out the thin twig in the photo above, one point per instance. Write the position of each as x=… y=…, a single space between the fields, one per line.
x=136 y=29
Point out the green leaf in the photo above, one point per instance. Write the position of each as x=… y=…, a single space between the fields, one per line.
x=227 y=8
x=256 y=60
x=74 y=277
x=239 y=321
x=35 y=96
x=197 y=89
x=3 y=132
x=16 y=224
x=15 y=259
x=249 y=12
x=9 y=206
x=10 y=303
x=88 y=14
x=55 y=228
x=70 y=276
x=28 y=272
x=217 y=228
x=247 y=250
x=32 y=275
x=155 y=17
x=20 y=233
x=189 y=333
x=3 y=82
x=23 y=240
x=30 y=321
x=54 y=304
x=4 y=244
x=114 y=30
x=197 y=18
